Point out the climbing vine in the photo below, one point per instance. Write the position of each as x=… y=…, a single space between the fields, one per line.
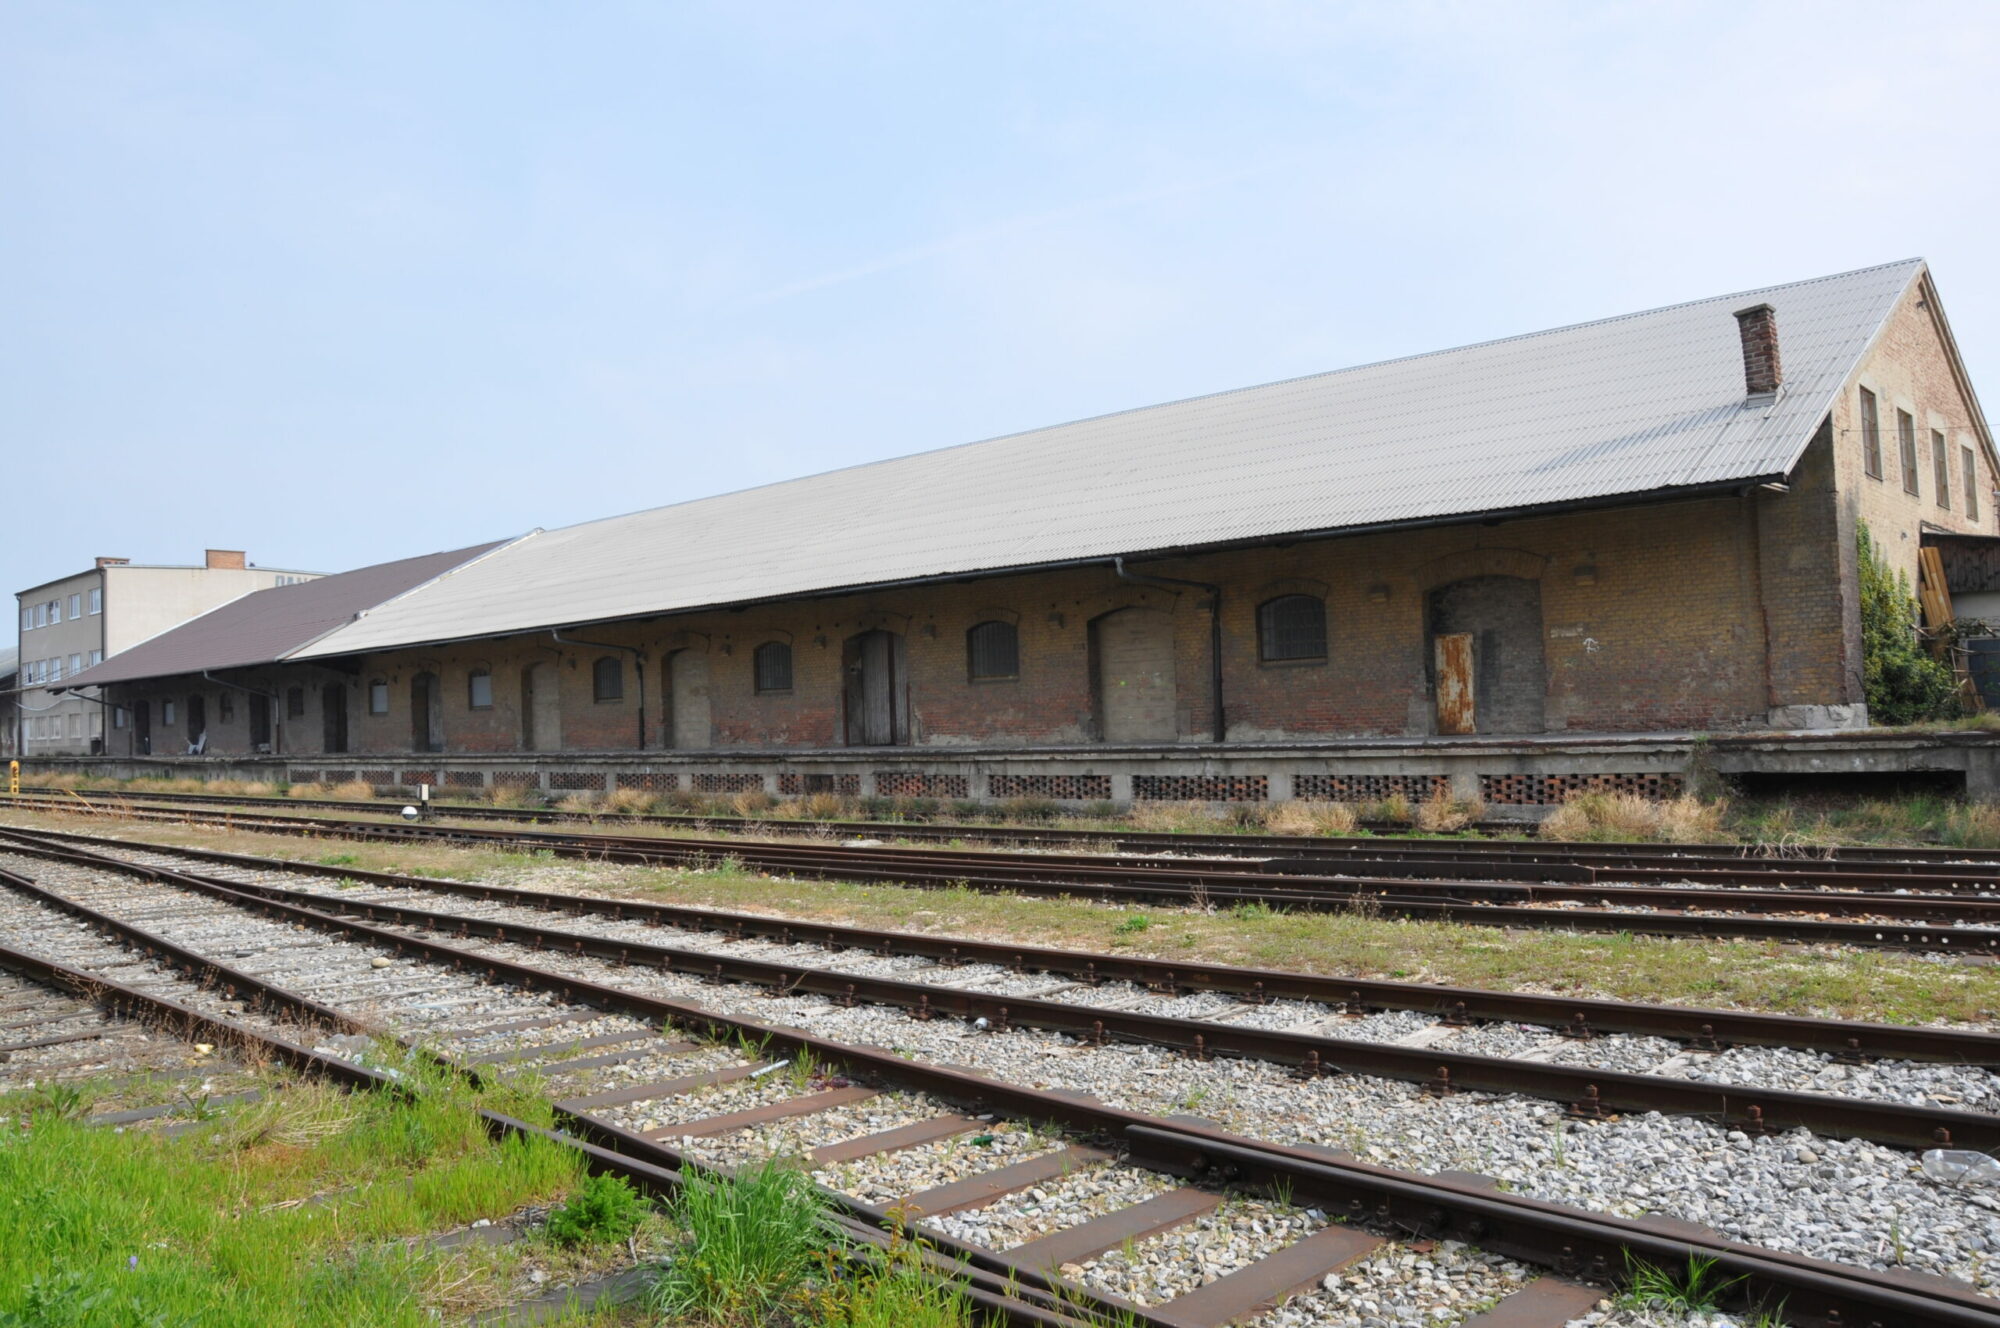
x=1905 y=684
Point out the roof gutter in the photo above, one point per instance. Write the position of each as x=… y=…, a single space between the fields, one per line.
x=638 y=670
x=1219 y=732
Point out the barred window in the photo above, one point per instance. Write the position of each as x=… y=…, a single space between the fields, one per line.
x=1906 y=442
x=773 y=665
x=295 y=703
x=993 y=650
x=1292 y=627
x=479 y=690
x=607 y=679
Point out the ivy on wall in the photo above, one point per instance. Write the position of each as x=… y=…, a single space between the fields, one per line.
x=1905 y=684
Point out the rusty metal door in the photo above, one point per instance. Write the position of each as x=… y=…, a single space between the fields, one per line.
x=1455 y=684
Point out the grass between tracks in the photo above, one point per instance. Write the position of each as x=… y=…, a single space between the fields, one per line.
x=1823 y=981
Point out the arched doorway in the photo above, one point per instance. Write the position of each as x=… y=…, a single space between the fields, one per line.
x=1132 y=676
x=1485 y=655
x=541 y=709
x=685 y=692
x=426 y=714
x=876 y=692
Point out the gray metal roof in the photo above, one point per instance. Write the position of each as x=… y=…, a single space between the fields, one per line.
x=264 y=625
x=1626 y=406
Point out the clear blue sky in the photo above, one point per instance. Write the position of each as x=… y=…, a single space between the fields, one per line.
x=344 y=282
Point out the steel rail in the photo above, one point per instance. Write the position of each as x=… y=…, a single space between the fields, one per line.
x=1814 y=861
x=1703 y=1028
x=1585 y=1091
x=1046 y=875
x=1574 y=1241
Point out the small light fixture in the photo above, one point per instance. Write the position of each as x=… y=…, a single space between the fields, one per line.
x=1585 y=574
x=1378 y=593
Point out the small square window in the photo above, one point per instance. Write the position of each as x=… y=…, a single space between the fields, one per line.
x=479 y=690
x=167 y=712
x=76 y=605
x=378 y=698
x=97 y=600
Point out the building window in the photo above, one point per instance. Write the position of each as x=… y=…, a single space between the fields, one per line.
x=225 y=706
x=97 y=600
x=166 y=712
x=1971 y=471
x=119 y=717
x=75 y=665
x=76 y=605
x=993 y=650
x=378 y=698
x=295 y=703
x=1871 y=436
x=55 y=666
x=479 y=689
x=1906 y=443
x=773 y=666
x=607 y=679
x=1940 y=470
x=97 y=657
x=1292 y=627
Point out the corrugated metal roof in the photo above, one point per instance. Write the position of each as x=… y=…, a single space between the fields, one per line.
x=1629 y=405
x=261 y=627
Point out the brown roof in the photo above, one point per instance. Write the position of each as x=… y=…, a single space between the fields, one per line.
x=266 y=625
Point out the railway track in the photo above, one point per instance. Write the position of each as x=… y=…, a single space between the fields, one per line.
x=709 y=1103
x=1564 y=896
x=1846 y=867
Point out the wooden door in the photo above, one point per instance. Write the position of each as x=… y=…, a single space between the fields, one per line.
x=260 y=723
x=1455 y=689
x=873 y=693
x=687 y=700
x=1132 y=655
x=333 y=717
x=142 y=727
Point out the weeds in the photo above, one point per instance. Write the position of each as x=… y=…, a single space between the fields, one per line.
x=604 y=1209
x=1312 y=818
x=1697 y=1289
x=751 y=1243
x=1617 y=817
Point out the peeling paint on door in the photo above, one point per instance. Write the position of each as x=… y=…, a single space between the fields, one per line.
x=1454 y=684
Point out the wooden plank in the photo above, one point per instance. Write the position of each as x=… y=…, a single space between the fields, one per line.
x=1297 y=1267
x=1933 y=592
x=1455 y=713
x=977 y=1191
x=1087 y=1240
x=811 y=1104
x=1546 y=1302
x=894 y=1141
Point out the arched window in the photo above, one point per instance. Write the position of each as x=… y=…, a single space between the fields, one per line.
x=479 y=689
x=607 y=679
x=1292 y=627
x=993 y=650
x=773 y=662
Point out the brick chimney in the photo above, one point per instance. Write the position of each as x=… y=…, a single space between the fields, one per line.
x=230 y=559
x=1761 y=370
x=113 y=562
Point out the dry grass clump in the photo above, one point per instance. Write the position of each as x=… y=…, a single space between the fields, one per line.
x=306 y=791
x=1442 y=814
x=355 y=790
x=581 y=803
x=825 y=807
x=510 y=795
x=1610 y=817
x=1395 y=809
x=1191 y=818
x=634 y=800
x=752 y=802
x=1975 y=825
x=1312 y=818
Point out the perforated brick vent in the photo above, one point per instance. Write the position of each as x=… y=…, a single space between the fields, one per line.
x=1067 y=788
x=794 y=782
x=516 y=779
x=336 y=776
x=576 y=779
x=916 y=784
x=1200 y=788
x=380 y=778
x=304 y=776
x=1364 y=788
x=1551 y=790
x=650 y=782
x=465 y=778
x=412 y=778
x=724 y=783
